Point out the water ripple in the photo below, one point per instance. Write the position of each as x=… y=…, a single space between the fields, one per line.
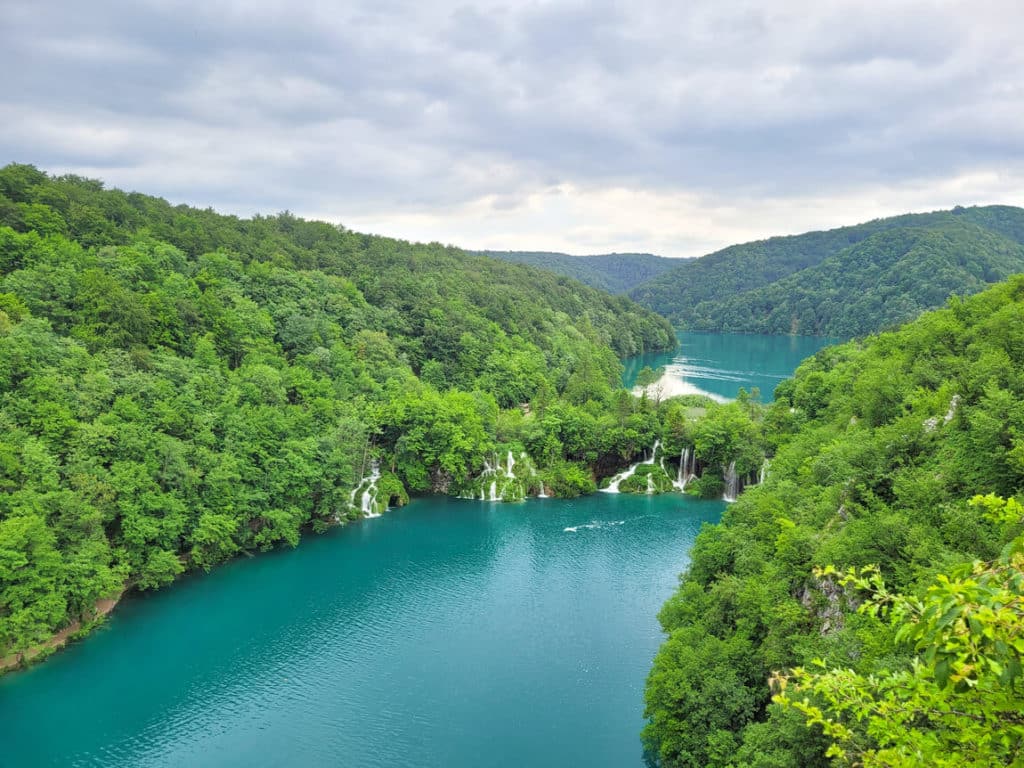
x=441 y=633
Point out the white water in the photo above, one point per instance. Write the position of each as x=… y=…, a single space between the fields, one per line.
x=672 y=384
x=763 y=473
x=613 y=485
x=499 y=482
x=591 y=525
x=687 y=472
x=732 y=483
x=369 y=495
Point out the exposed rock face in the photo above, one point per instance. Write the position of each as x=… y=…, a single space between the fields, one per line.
x=826 y=600
x=440 y=481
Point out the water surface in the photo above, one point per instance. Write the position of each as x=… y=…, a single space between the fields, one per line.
x=720 y=363
x=449 y=633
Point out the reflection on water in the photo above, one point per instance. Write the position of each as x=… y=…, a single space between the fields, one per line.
x=718 y=364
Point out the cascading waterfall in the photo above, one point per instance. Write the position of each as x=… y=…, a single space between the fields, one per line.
x=613 y=484
x=732 y=483
x=687 y=469
x=368 y=505
x=541 y=494
x=762 y=474
x=499 y=482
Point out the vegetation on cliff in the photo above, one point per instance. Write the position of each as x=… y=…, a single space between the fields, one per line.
x=880 y=445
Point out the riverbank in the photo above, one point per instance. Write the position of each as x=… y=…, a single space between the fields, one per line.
x=60 y=639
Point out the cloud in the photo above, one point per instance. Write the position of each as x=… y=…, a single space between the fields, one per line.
x=671 y=127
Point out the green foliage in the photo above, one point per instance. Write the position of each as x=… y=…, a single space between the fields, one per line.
x=844 y=282
x=567 y=479
x=958 y=702
x=178 y=386
x=648 y=376
x=876 y=444
x=612 y=272
x=648 y=478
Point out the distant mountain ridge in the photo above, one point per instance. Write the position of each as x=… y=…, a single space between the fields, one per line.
x=611 y=272
x=842 y=282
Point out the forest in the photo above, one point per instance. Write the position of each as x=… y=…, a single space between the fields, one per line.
x=842 y=282
x=611 y=272
x=864 y=605
x=179 y=386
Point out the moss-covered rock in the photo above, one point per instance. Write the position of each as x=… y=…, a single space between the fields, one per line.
x=567 y=480
x=649 y=479
x=506 y=476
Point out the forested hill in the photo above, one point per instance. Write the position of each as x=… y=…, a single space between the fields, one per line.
x=612 y=272
x=177 y=386
x=880 y=447
x=846 y=281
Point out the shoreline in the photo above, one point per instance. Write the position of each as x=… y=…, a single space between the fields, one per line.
x=105 y=606
x=671 y=384
x=102 y=608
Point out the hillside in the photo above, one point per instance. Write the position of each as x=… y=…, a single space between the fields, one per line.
x=612 y=272
x=879 y=446
x=178 y=386
x=844 y=281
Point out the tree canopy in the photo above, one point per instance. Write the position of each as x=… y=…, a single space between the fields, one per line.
x=612 y=272
x=879 y=447
x=842 y=282
x=177 y=386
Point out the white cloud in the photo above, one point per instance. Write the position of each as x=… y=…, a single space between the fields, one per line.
x=660 y=126
x=679 y=224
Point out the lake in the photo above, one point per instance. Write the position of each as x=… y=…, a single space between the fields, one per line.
x=718 y=364
x=449 y=633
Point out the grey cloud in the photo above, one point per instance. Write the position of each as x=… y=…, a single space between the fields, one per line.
x=370 y=105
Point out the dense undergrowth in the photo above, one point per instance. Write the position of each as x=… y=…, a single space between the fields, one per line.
x=880 y=445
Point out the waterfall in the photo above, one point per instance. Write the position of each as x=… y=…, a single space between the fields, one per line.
x=498 y=481
x=762 y=475
x=368 y=503
x=683 y=475
x=613 y=484
x=687 y=472
x=650 y=485
x=732 y=483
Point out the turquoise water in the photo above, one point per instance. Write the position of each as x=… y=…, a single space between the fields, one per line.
x=449 y=633
x=721 y=363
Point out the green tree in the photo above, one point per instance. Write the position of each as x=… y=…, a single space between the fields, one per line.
x=959 y=702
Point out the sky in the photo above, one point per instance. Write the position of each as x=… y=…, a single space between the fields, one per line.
x=587 y=127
